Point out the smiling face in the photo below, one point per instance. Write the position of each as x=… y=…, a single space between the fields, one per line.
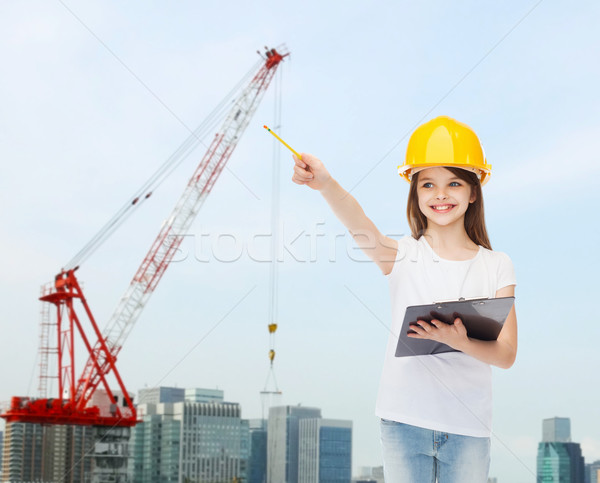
x=443 y=197
x=459 y=190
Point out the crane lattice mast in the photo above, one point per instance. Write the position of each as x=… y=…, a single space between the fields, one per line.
x=75 y=408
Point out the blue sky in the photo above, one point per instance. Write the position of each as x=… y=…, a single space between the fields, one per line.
x=79 y=134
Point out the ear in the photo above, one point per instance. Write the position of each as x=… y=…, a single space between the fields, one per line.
x=473 y=195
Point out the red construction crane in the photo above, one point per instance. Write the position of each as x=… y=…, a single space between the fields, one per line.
x=72 y=406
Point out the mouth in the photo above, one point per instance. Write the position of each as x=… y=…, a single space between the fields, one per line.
x=442 y=208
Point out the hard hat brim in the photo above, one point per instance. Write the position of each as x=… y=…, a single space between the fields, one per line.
x=483 y=174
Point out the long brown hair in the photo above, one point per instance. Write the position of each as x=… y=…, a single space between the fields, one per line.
x=474 y=216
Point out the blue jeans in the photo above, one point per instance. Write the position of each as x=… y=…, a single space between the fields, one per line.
x=417 y=455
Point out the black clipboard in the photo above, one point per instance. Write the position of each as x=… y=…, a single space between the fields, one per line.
x=483 y=319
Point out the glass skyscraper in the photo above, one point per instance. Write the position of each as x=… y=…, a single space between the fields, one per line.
x=282 y=441
x=325 y=451
x=155 y=448
x=559 y=459
x=257 y=461
x=304 y=448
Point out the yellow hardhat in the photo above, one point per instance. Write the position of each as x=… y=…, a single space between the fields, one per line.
x=443 y=141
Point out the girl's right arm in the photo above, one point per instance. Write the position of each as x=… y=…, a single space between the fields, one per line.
x=311 y=172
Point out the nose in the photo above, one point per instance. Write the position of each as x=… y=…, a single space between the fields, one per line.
x=440 y=194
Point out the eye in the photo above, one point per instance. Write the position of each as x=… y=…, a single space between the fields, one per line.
x=427 y=185
x=455 y=183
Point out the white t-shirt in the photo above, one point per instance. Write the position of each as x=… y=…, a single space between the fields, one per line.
x=449 y=392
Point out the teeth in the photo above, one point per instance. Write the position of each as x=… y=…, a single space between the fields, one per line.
x=441 y=207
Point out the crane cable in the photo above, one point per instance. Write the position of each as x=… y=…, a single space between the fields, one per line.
x=181 y=153
x=275 y=243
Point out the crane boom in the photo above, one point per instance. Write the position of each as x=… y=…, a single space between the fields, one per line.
x=167 y=242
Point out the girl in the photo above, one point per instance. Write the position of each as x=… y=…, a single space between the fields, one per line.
x=435 y=409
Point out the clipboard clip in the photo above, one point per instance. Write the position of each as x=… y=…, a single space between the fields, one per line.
x=461 y=299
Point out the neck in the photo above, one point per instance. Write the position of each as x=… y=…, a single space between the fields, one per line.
x=449 y=238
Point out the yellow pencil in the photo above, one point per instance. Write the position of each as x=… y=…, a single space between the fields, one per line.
x=283 y=142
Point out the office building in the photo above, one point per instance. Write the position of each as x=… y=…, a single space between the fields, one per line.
x=324 y=451
x=556 y=430
x=282 y=441
x=35 y=452
x=201 y=438
x=163 y=394
x=369 y=474
x=558 y=458
x=592 y=472
x=257 y=460
x=22 y=452
x=156 y=395
x=204 y=395
x=155 y=447
x=110 y=453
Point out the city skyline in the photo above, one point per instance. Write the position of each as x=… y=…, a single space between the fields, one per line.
x=555 y=431
x=80 y=133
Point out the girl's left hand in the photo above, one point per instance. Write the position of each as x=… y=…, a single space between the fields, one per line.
x=454 y=335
